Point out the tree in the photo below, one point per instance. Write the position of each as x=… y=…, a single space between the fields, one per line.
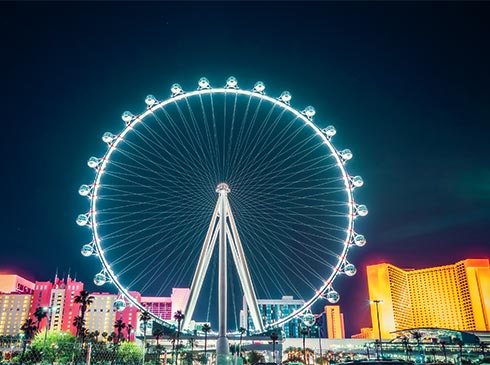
x=85 y=300
x=405 y=345
x=255 y=356
x=206 y=328
x=129 y=353
x=119 y=325
x=59 y=346
x=274 y=337
x=129 y=329
x=158 y=334
x=242 y=331
x=145 y=318
x=304 y=332
x=179 y=317
x=79 y=323
x=318 y=324
x=460 y=344
x=417 y=336
x=40 y=313
x=443 y=346
x=29 y=329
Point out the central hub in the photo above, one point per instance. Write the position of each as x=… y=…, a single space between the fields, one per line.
x=223 y=188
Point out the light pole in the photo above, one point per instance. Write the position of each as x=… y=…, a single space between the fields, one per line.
x=377 y=302
x=48 y=320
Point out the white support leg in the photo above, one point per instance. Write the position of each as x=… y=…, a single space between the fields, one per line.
x=243 y=272
x=223 y=225
x=202 y=267
x=222 y=345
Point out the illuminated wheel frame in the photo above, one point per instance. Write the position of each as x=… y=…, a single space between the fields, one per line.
x=344 y=209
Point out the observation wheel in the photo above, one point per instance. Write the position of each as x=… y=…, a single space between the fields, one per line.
x=226 y=167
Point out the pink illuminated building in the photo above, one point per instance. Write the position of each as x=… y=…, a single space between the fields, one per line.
x=179 y=298
x=130 y=315
x=58 y=300
x=160 y=306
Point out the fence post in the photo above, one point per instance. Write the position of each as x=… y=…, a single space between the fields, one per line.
x=89 y=350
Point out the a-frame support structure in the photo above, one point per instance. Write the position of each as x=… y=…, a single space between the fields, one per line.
x=223 y=226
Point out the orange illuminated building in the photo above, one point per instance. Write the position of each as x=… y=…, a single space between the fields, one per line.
x=335 y=322
x=11 y=283
x=454 y=296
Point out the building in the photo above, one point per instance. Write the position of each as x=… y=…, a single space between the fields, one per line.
x=179 y=298
x=58 y=299
x=454 y=296
x=10 y=284
x=101 y=314
x=364 y=334
x=62 y=308
x=130 y=316
x=160 y=306
x=14 y=310
x=271 y=310
x=335 y=322
x=41 y=298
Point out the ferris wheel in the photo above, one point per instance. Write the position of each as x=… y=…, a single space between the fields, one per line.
x=229 y=192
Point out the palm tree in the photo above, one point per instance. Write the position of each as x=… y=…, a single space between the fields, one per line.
x=29 y=328
x=119 y=325
x=79 y=322
x=129 y=329
x=158 y=334
x=318 y=324
x=206 y=328
x=274 y=337
x=304 y=332
x=179 y=317
x=192 y=341
x=145 y=318
x=460 y=344
x=443 y=346
x=242 y=331
x=104 y=336
x=84 y=333
x=40 y=313
x=417 y=336
x=85 y=300
x=405 y=345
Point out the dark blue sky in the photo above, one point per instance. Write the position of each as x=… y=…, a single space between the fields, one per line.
x=406 y=85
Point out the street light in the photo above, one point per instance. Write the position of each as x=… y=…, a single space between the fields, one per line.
x=377 y=302
x=48 y=320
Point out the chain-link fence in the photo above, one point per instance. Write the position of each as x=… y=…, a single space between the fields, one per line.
x=131 y=353
x=124 y=353
x=103 y=353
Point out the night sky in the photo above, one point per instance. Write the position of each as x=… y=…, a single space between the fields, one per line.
x=405 y=84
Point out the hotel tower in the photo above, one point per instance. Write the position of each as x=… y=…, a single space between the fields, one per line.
x=454 y=297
